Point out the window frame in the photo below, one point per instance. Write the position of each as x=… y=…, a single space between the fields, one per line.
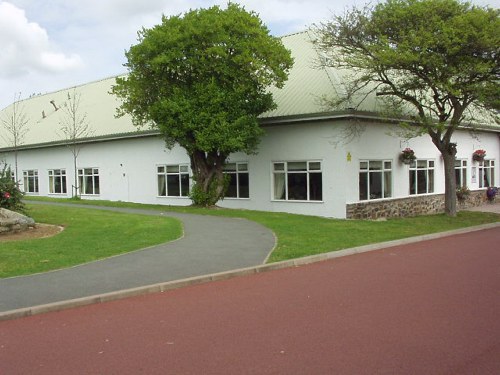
x=287 y=172
x=183 y=178
x=486 y=171
x=383 y=172
x=238 y=174
x=26 y=181
x=414 y=168
x=94 y=176
x=54 y=177
x=462 y=172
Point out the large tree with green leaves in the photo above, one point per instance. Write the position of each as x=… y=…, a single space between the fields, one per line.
x=202 y=80
x=435 y=60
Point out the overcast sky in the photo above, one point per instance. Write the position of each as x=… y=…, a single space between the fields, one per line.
x=55 y=44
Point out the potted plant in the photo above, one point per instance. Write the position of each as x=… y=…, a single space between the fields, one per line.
x=407 y=156
x=491 y=192
x=478 y=155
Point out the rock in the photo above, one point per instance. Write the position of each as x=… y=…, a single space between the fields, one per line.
x=11 y=221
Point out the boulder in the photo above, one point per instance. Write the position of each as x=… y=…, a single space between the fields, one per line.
x=11 y=221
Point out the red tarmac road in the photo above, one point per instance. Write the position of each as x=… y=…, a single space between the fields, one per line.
x=426 y=308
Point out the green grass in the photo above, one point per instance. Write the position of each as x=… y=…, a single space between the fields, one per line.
x=300 y=235
x=88 y=235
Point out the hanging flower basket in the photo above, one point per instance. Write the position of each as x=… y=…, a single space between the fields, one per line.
x=478 y=155
x=407 y=156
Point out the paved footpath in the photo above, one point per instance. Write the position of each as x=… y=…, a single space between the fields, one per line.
x=430 y=307
x=210 y=244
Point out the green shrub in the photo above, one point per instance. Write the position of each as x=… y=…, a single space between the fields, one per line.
x=10 y=195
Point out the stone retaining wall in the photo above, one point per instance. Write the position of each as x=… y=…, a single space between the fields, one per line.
x=411 y=206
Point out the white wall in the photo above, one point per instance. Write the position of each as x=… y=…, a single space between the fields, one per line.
x=127 y=167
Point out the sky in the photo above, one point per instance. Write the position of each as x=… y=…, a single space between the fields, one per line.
x=56 y=44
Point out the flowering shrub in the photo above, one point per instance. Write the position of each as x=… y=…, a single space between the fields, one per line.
x=491 y=192
x=408 y=155
x=478 y=155
x=10 y=195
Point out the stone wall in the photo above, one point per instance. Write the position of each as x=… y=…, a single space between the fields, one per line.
x=411 y=206
x=11 y=221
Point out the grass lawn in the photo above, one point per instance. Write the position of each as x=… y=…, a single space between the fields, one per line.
x=300 y=235
x=88 y=235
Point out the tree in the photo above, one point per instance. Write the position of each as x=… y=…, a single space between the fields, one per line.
x=15 y=122
x=436 y=59
x=201 y=79
x=74 y=126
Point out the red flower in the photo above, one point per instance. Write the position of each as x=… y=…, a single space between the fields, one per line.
x=6 y=195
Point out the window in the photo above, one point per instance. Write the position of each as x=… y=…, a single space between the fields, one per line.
x=375 y=179
x=88 y=181
x=57 y=181
x=486 y=173
x=30 y=181
x=298 y=180
x=173 y=180
x=461 y=173
x=422 y=177
x=238 y=180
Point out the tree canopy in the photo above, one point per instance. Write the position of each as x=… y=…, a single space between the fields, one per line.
x=202 y=80
x=437 y=60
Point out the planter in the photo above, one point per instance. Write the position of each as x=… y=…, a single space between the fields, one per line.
x=478 y=158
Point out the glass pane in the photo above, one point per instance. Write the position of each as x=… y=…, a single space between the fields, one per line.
x=421 y=181
x=430 y=188
x=421 y=164
x=243 y=167
x=315 y=166
x=375 y=185
x=431 y=163
x=88 y=171
x=244 y=189
x=279 y=186
x=297 y=166
x=173 y=185
x=172 y=169
x=161 y=169
x=95 y=171
x=297 y=186
x=375 y=165
x=413 y=177
x=97 y=189
x=387 y=184
x=80 y=184
x=230 y=167
x=89 y=186
x=315 y=187
x=458 y=163
x=184 y=169
x=363 y=186
x=162 y=190
x=232 y=188
x=185 y=184
x=363 y=165
x=64 y=184
x=279 y=166
x=388 y=165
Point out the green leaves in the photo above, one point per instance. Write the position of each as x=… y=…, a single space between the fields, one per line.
x=202 y=80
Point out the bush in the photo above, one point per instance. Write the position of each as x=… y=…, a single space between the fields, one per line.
x=10 y=195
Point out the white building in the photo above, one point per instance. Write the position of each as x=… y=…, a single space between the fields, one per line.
x=305 y=163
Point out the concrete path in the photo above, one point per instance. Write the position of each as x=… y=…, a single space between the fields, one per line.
x=210 y=245
x=430 y=307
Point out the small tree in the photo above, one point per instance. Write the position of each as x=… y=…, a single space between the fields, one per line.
x=15 y=122
x=10 y=194
x=74 y=126
x=201 y=79
x=436 y=59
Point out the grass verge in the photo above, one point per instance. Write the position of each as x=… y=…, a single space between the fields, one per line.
x=89 y=235
x=300 y=235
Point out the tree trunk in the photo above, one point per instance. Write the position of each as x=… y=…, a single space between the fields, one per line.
x=448 y=151
x=208 y=176
x=450 y=185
